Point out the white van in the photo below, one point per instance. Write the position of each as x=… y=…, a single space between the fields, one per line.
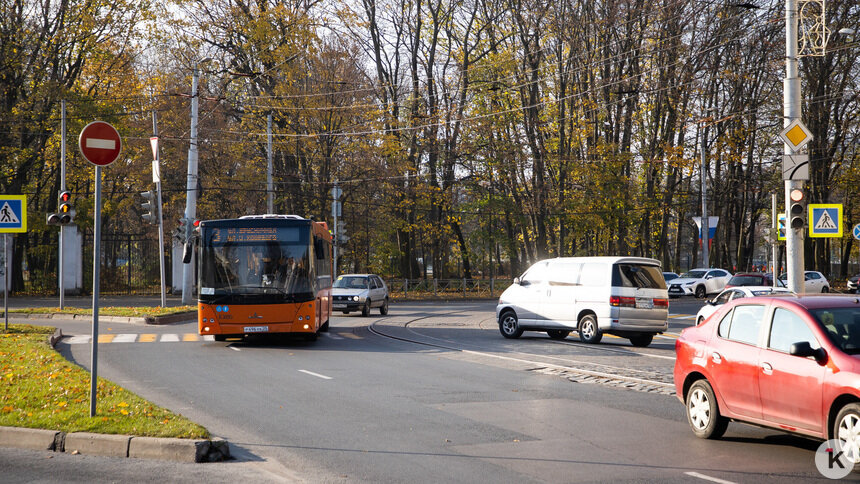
x=623 y=296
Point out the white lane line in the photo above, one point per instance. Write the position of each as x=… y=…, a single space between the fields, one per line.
x=708 y=478
x=208 y=337
x=169 y=338
x=315 y=374
x=77 y=340
x=233 y=347
x=125 y=338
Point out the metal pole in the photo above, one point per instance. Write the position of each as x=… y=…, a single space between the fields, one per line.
x=775 y=242
x=160 y=215
x=791 y=107
x=97 y=221
x=6 y=282
x=270 y=187
x=191 y=191
x=706 y=230
x=62 y=271
x=334 y=208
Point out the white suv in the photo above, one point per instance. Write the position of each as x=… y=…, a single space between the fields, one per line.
x=699 y=282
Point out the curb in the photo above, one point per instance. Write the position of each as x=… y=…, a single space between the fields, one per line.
x=151 y=320
x=113 y=445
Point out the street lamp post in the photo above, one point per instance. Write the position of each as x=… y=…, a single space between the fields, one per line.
x=791 y=112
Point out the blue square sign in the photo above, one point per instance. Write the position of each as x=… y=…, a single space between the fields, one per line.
x=825 y=220
x=13 y=213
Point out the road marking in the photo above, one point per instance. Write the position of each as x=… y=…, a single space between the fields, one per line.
x=708 y=478
x=147 y=338
x=190 y=337
x=352 y=336
x=332 y=336
x=125 y=338
x=106 y=338
x=208 y=337
x=169 y=338
x=315 y=374
x=684 y=316
x=233 y=347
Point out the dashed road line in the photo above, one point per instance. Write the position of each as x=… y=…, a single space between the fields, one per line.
x=707 y=478
x=306 y=372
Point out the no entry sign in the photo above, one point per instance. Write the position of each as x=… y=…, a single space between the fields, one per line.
x=100 y=143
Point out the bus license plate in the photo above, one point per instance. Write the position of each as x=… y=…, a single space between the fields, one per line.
x=256 y=329
x=644 y=303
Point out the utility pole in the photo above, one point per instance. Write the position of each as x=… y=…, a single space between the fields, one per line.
x=191 y=188
x=775 y=241
x=706 y=230
x=791 y=112
x=270 y=188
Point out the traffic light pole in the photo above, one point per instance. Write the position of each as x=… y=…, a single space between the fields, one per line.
x=157 y=177
x=61 y=259
x=791 y=106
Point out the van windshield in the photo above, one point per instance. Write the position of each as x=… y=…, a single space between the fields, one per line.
x=637 y=275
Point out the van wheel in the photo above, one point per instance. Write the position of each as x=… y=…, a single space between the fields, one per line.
x=588 y=330
x=557 y=333
x=642 y=340
x=703 y=413
x=509 y=325
x=383 y=310
x=700 y=292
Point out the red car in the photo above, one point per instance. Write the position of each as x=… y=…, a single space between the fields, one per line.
x=788 y=362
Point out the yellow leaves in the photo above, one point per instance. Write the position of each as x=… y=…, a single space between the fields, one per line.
x=63 y=404
x=8 y=408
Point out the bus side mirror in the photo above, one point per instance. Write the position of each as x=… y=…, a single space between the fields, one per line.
x=187 y=252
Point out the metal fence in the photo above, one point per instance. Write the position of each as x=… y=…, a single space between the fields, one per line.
x=129 y=265
x=446 y=288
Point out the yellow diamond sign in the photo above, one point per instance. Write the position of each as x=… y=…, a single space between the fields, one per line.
x=796 y=135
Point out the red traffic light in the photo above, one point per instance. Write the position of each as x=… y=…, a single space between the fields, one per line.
x=65 y=196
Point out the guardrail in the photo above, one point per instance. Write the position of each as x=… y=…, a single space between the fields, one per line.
x=447 y=288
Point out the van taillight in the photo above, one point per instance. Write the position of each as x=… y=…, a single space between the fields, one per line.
x=624 y=302
x=661 y=303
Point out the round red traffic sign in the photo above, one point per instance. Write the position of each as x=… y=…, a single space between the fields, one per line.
x=100 y=143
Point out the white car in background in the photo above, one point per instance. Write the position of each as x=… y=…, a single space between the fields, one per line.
x=813 y=281
x=732 y=293
x=699 y=282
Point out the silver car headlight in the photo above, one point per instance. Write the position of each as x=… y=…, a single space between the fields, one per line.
x=355 y=298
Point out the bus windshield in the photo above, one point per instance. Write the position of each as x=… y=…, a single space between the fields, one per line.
x=261 y=261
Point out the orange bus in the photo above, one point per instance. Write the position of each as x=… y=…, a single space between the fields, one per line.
x=267 y=274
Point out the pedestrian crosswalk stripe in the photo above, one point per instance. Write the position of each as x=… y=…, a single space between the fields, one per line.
x=169 y=338
x=106 y=338
x=190 y=337
x=125 y=338
x=147 y=338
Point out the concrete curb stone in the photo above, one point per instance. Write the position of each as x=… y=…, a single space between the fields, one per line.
x=151 y=320
x=23 y=438
x=180 y=450
x=107 y=445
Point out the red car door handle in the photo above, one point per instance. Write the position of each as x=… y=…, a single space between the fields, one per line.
x=767 y=369
x=716 y=357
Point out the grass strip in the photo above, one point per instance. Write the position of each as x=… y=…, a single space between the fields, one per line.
x=132 y=312
x=41 y=389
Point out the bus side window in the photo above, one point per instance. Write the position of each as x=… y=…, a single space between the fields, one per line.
x=319 y=248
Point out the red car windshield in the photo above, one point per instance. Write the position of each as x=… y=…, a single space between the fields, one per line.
x=842 y=325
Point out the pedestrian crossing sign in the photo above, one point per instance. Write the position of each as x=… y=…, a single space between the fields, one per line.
x=825 y=220
x=13 y=213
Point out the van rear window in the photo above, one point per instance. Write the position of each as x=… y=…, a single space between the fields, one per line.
x=637 y=275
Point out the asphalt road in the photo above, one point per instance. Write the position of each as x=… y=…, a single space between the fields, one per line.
x=430 y=393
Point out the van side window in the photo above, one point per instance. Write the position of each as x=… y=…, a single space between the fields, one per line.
x=564 y=273
x=593 y=274
x=536 y=273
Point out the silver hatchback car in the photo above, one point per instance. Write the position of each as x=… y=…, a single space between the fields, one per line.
x=359 y=292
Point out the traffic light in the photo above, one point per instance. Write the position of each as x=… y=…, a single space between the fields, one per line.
x=148 y=205
x=65 y=210
x=182 y=230
x=797 y=210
